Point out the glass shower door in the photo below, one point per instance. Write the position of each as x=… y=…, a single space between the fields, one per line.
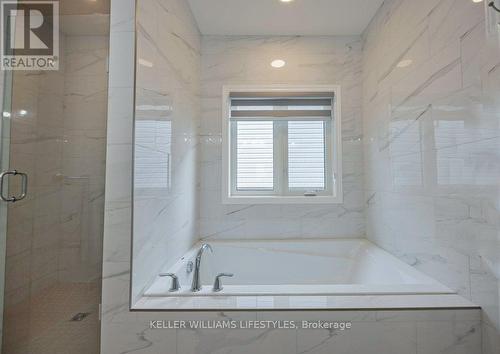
x=5 y=83
x=51 y=217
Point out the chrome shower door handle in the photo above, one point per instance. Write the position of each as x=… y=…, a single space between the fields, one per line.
x=24 y=186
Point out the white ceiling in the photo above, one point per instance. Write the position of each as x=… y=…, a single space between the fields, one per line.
x=273 y=17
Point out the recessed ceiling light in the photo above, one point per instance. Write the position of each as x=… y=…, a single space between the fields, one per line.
x=404 y=63
x=278 y=63
x=477 y=0
x=286 y=0
x=23 y=112
x=6 y=114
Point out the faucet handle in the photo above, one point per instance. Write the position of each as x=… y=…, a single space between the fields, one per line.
x=217 y=284
x=175 y=281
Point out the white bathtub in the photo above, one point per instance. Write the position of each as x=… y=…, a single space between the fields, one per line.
x=312 y=267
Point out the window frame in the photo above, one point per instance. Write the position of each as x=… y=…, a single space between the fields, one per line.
x=282 y=194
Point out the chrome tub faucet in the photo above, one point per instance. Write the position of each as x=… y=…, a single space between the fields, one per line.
x=196 y=286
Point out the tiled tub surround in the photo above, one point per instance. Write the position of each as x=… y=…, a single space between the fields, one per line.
x=374 y=332
x=166 y=127
x=310 y=60
x=431 y=118
x=384 y=332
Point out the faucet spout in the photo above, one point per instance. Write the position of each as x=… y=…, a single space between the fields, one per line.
x=196 y=285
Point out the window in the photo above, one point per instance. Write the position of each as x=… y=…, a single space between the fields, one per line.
x=281 y=145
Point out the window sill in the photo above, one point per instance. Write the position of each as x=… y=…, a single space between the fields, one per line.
x=281 y=200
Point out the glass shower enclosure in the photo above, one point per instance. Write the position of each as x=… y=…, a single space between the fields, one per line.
x=53 y=130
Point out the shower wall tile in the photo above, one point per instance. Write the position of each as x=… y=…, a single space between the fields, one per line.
x=431 y=118
x=83 y=157
x=246 y=60
x=35 y=149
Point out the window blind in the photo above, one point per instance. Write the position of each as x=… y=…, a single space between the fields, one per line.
x=306 y=155
x=285 y=106
x=254 y=155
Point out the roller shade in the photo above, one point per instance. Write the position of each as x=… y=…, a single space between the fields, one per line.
x=281 y=106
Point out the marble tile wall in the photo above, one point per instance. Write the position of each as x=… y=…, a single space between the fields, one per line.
x=431 y=119
x=83 y=157
x=167 y=119
x=310 y=60
x=374 y=332
x=129 y=332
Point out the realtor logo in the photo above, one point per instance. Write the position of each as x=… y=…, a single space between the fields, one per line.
x=30 y=35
